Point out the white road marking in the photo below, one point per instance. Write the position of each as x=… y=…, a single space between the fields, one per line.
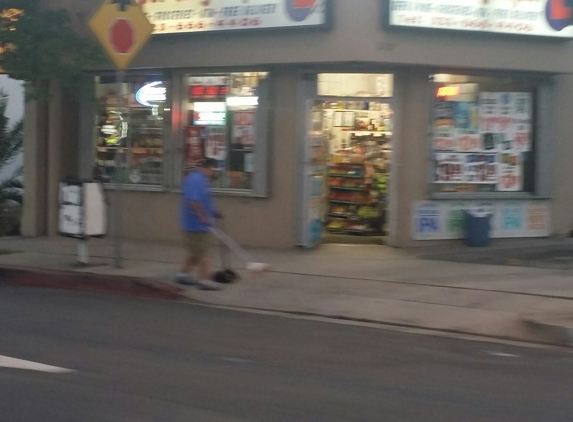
x=502 y=355
x=13 y=363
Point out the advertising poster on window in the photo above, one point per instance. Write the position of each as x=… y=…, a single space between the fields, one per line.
x=444 y=139
x=216 y=145
x=449 y=167
x=487 y=139
x=244 y=129
x=522 y=121
x=481 y=169
x=467 y=126
x=496 y=120
x=510 y=172
x=195 y=138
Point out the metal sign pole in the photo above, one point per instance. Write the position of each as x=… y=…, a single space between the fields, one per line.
x=118 y=207
x=122 y=28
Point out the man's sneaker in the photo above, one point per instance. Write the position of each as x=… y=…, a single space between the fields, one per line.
x=208 y=285
x=185 y=279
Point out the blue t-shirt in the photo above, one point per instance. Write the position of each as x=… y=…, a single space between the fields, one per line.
x=195 y=188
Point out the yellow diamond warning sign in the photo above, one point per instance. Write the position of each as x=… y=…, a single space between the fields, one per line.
x=122 y=29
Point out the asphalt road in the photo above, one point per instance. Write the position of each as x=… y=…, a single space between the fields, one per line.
x=143 y=361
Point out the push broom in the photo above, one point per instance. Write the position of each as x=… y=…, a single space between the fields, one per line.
x=242 y=254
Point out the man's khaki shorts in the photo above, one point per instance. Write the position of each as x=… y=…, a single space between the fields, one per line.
x=197 y=243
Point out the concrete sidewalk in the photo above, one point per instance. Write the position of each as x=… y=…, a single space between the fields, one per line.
x=364 y=283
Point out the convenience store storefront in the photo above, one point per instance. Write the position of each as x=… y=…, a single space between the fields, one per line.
x=325 y=115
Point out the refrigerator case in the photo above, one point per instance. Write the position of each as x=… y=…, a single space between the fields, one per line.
x=314 y=177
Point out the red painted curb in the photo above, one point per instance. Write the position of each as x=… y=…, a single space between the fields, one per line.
x=89 y=282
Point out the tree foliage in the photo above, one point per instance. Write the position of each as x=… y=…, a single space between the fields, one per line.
x=11 y=143
x=38 y=44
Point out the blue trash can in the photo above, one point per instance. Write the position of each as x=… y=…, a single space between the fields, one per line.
x=477 y=227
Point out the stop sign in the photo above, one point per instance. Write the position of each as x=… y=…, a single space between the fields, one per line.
x=122 y=35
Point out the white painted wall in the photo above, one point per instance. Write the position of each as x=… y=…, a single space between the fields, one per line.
x=15 y=112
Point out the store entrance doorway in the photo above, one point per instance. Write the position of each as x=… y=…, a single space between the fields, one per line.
x=353 y=118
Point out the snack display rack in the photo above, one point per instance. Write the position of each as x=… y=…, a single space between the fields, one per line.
x=357 y=183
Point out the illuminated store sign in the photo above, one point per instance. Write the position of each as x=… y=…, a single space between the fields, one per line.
x=542 y=18
x=209 y=114
x=448 y=91
x=201 y=91
x=151 y=94
x=176 y=16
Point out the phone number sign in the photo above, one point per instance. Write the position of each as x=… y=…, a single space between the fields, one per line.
x=175 y=16
x=542 y=18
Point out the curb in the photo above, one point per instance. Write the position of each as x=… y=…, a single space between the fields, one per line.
x=550 y=328
x=376 y=322
x=90 y=282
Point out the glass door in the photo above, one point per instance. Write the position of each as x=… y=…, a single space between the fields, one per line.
x=313 y=183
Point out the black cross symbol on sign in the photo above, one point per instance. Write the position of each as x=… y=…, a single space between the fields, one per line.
x=122 y=4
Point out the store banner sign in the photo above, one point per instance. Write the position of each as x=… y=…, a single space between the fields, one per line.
x=176 y=16
x=544 y=18
x=441 y=220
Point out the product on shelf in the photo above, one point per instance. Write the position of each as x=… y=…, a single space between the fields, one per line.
x=368 y=212
x=337 y=224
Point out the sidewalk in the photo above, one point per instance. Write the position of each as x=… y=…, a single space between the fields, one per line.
x=364 y=283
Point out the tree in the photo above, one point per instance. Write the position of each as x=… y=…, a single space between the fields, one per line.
x=11 y=142
x=38 y=44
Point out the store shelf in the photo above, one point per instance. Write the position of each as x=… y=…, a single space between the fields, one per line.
x=124 y=107
x=350 y=189
x=134 y=150
x=351 y=231
x=375 y=132
x=353 y=216
x=348 y=176
x=368 y=231
x=106 y=149
x=336 y=201
x=138 y=150
x=341 y=215
x=357 y=110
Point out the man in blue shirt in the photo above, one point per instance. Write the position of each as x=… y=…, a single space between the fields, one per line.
x=198 y=215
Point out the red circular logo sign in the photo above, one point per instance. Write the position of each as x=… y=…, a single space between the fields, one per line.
x=122 y=36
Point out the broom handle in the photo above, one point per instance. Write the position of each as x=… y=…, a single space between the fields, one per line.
x=231 y=244
x=224 y=250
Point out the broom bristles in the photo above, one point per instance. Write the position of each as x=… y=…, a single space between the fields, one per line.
x=257 y=267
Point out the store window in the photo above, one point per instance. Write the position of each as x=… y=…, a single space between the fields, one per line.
x=133 y=126
x=226 y=121
x=483 y=137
